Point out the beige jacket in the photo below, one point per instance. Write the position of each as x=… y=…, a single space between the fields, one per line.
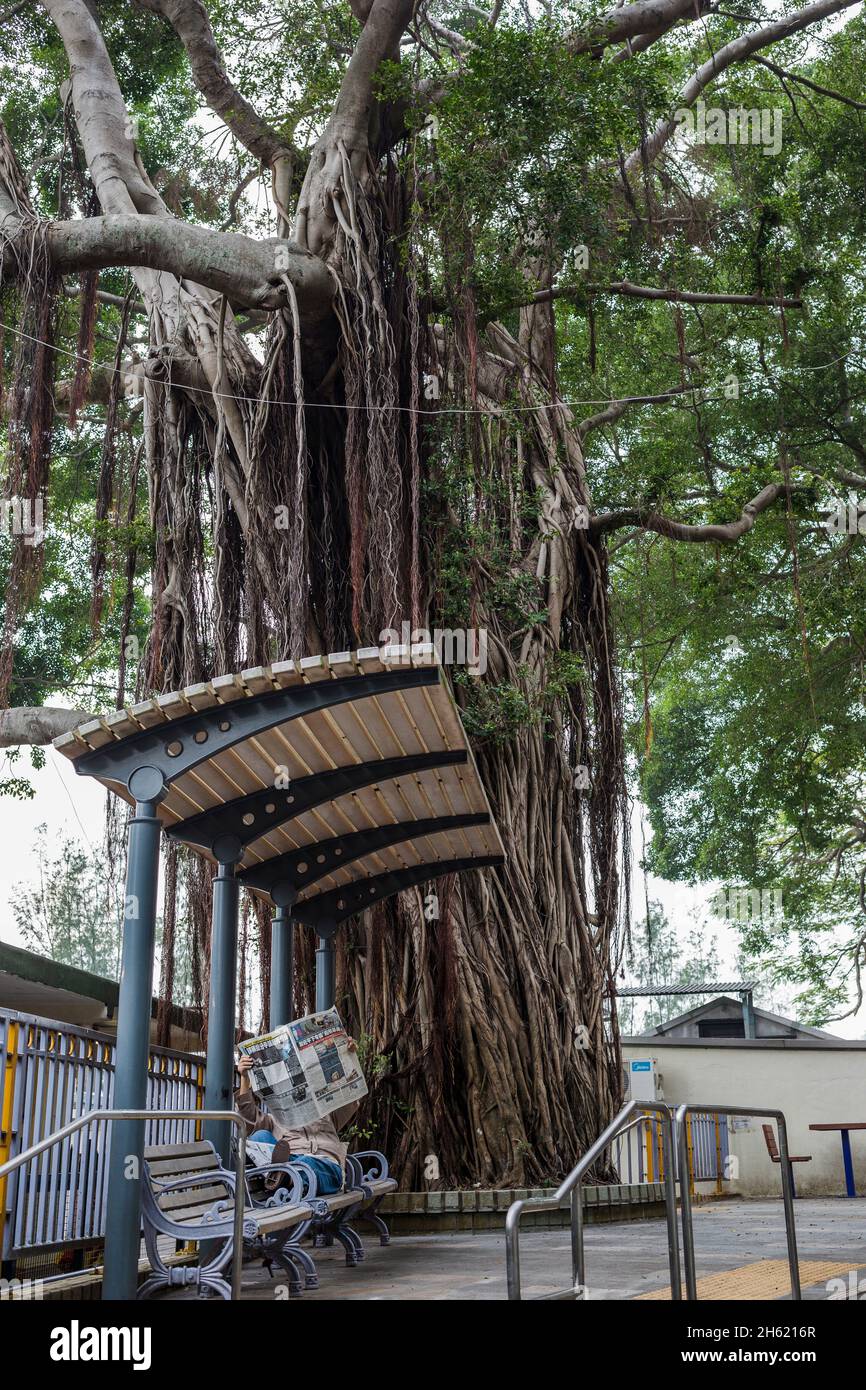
x=318 y=1140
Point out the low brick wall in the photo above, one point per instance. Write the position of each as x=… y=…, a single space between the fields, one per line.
x=478 y=1209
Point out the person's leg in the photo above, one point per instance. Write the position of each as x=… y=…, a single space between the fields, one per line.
x=262 y=1136
x=329 y=1176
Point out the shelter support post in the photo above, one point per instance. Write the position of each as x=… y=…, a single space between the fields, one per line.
x=219 y=1085
x=282 y=967
x=123 y=1235
x=325 y=969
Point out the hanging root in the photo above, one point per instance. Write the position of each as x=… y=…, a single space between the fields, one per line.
x=29 y=419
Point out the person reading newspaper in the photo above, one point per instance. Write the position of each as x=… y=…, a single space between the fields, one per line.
x=318 y=1142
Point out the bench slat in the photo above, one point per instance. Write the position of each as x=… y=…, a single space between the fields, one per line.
x=174 y=1201
x=157 y=1152
x=170 y=1167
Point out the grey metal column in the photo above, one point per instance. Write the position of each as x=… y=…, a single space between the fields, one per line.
x=748 y=1014
x=219 y=1085
x=325 y=972
x=282 y=967
x=123 y=1233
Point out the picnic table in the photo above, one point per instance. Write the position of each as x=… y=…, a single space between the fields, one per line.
x=846 y=1150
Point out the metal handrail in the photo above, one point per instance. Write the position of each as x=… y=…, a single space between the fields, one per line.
x=686 y=1197
x=94 y=1116
x=570 y=1187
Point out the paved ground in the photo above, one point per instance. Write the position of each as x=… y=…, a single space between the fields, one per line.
x=624 y=1260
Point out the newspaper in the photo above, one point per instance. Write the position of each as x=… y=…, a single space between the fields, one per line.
x=304 y=1070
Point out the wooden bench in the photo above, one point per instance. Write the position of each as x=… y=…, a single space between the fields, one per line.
x=775 y=1156
x=330 y=1214
x=367 y=1181
x=188 y=1195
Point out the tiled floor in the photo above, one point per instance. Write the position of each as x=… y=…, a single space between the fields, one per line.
x=624 y=1260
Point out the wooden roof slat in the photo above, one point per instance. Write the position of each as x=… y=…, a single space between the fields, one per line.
x=148 y=714
x=259 y=680
x=95 y=734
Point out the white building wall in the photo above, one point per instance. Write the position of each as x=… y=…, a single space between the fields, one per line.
x=811 y=1083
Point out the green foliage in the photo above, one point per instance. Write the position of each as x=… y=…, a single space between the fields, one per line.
x=658 y=957
x=72 y=914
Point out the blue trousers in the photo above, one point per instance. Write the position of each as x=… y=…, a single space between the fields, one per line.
x=329 y=1176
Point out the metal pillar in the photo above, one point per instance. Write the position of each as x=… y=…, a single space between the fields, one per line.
x=325 y=973
x=123 y=1234
x=748 y=1014
x=282 y=967
x=219 y=1085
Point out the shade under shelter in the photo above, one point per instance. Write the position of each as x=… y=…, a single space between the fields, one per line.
x=322 y=785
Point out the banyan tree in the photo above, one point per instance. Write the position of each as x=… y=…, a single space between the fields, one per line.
x=298 y=286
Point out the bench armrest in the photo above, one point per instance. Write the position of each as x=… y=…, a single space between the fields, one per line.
x=303 y=1184
x=367 y=1166
x=193 y=1180
x=216 y=1213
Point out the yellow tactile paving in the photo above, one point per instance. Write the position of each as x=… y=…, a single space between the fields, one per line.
x=758 y=1282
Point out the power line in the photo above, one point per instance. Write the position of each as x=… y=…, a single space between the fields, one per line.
x=672 y=395
x=659 y=397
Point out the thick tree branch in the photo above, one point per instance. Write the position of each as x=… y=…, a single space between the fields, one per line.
x=645 y=17
x=734 y=52
x=614 y=409
x=37 y=724
x=351 y=125
x=249 y=272
x=626 y=288
x=191 y=23
x=100 y=114
x=681 y=531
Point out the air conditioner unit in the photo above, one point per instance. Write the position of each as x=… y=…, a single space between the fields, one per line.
x=643 y=1079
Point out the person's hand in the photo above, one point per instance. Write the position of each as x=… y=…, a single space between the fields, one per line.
x=245 y=1064
x=351 y=1045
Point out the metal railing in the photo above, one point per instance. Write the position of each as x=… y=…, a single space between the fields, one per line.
x=674 y=1164
x=629 y=1117
x=50 y=1073
x=109 y=1116
x=681 y=1116
x=637 y=1155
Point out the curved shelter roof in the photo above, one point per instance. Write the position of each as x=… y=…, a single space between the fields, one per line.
x=330 y=782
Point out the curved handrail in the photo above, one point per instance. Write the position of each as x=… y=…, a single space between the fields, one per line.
x=686 y=1197
x=570 y=1187
x=94 y=1116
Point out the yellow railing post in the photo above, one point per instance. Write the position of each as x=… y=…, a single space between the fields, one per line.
x=6 y=1115
x=648 y=1140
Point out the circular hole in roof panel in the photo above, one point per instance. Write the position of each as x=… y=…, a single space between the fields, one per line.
x=249 y=818
x=174 y=749
x=224 y=726
x=200 y=735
